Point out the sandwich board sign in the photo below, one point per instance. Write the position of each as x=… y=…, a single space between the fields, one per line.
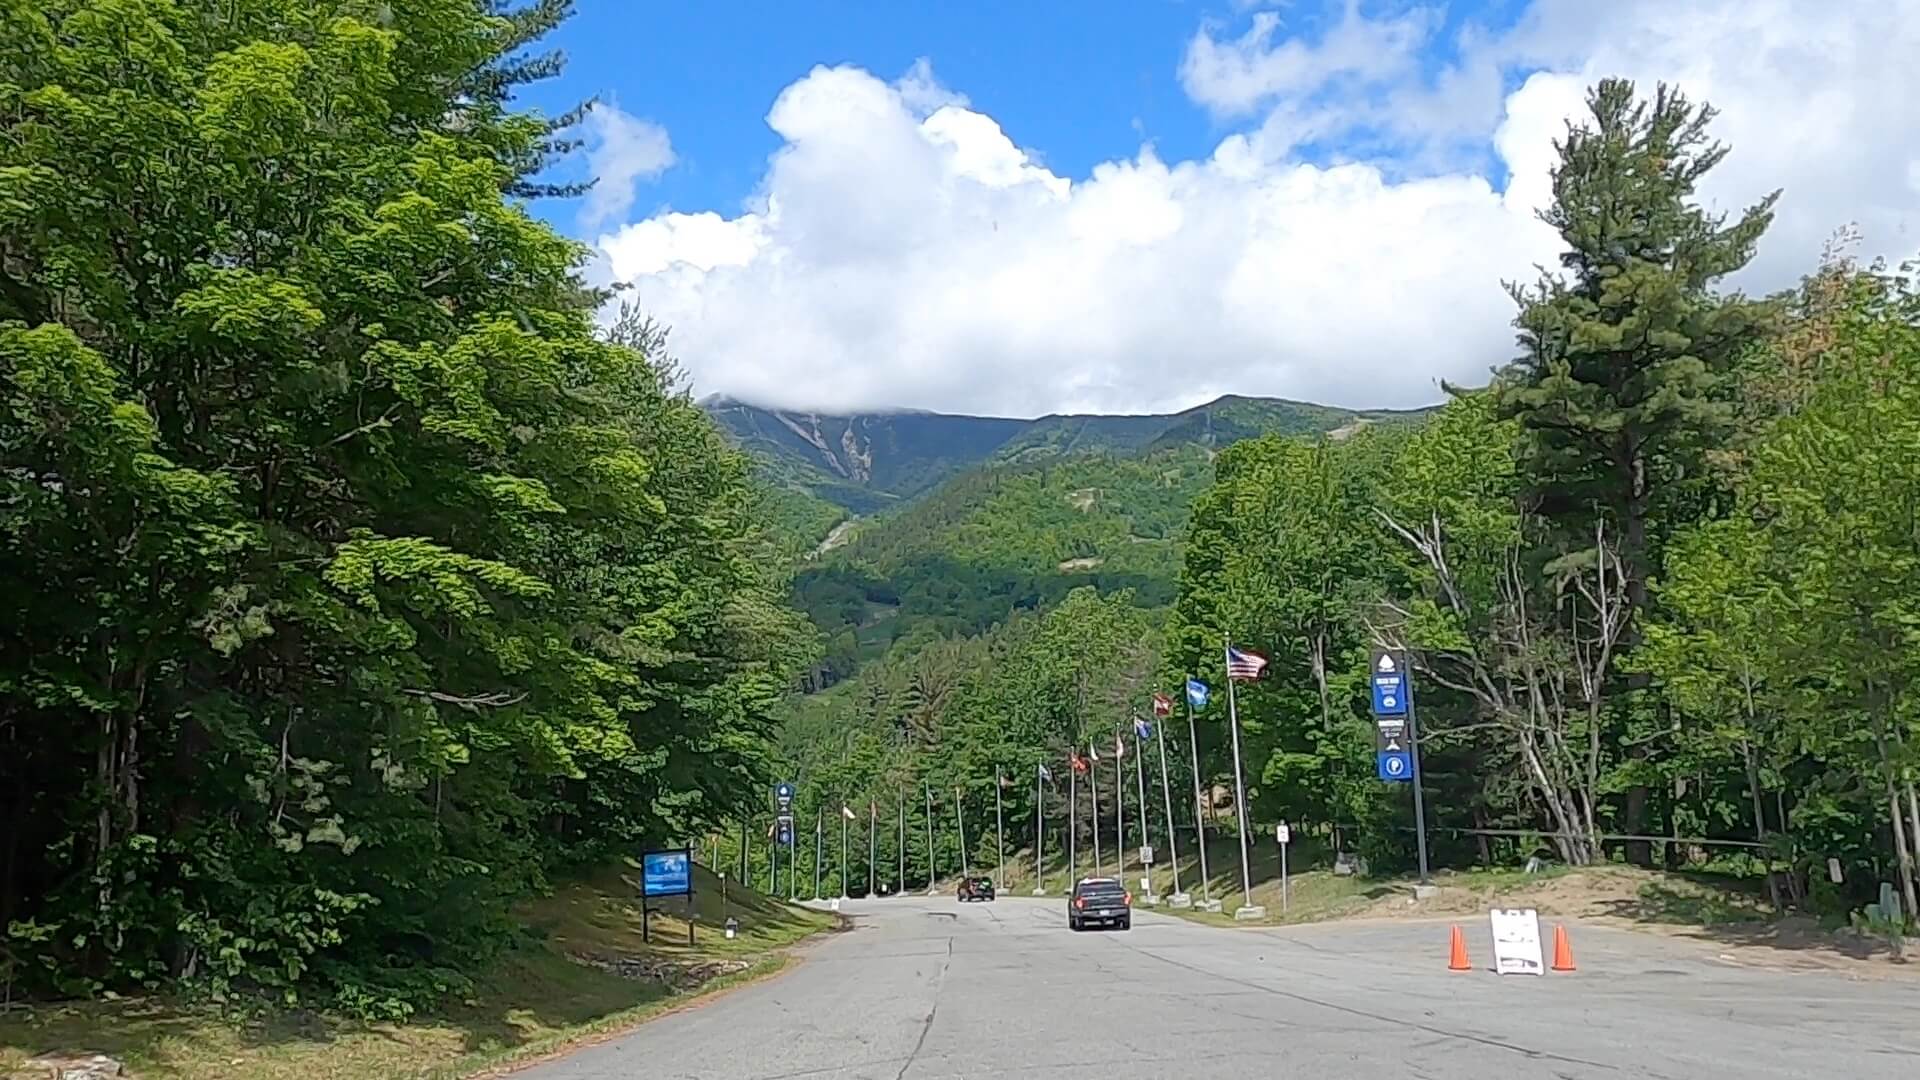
x=1516 y=941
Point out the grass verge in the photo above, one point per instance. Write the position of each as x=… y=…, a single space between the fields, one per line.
x=574 y=985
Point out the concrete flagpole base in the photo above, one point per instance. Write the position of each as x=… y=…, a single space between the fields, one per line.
x=1180 y=900
x=1209 y=905
x=1249 y=913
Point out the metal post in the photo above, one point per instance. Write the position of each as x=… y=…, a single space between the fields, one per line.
x=1119 y=810
x=873 y=843
x=819 y=836
x=1073 y=823
x=901 y=885
x=1413 y=751
x=1039 y=829
x=843 y=851
x=1239 y=788
x=773 y=856
x=1140 y=789
x=999 y=831
x=1199 y=818
x=1093 y=794
x=1166 y=800
x=930 y=870
x=1284 y=888
x=744 y=880
x=959 y=816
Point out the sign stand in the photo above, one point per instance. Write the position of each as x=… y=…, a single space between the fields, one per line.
x=1397 y=742
x=668 y=872
x=1283 y=833
x=1516 y=941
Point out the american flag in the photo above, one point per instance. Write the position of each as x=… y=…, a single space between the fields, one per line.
x=1244 y=665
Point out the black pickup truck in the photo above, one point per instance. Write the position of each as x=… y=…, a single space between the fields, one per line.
x=1100 y=902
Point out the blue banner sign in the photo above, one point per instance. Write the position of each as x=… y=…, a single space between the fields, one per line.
x=1390 y=685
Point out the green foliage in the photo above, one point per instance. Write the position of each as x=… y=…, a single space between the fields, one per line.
x=358 y=582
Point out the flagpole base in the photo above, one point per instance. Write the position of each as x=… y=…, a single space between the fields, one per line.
x=1039 y=892
x=1209 y=905
x=1180 y=900
x=1249 y=913
x=1149 y=900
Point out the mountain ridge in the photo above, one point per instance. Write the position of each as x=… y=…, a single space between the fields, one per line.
x=864 y=462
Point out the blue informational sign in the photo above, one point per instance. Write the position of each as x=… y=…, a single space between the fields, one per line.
x=1390 y=685
x=783 y=832
x=1395 y=765
x=667 y=873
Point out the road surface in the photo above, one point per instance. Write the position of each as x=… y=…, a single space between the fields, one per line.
x=928 y=988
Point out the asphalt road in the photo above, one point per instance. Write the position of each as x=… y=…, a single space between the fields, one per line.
x=926 y=988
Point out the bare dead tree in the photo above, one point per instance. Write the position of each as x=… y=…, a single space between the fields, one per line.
x=1535 y=661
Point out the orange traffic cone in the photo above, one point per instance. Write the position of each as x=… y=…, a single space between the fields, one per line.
x=1458 y=962
x=1562 y=952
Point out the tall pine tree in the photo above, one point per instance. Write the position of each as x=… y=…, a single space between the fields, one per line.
x=1626 y=354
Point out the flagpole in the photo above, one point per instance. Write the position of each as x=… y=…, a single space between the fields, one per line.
x=819 y=843
x=1073 y=819
x=1166 y=801
x=1140 y=789
x=793 y=866
x=999 y=831
x=1199 y=819
x=1093 y=794
x=1239 y=790
x=930 y=861
x=846 y=815
x=901 y=885
x=1039 y=827
x=959 y=816
x=1119 y=810
x=873 y=843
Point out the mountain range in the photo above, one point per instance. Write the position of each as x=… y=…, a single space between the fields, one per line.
x=867 y=462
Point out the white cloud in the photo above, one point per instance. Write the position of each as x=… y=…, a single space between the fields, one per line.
x=622 y=150
x=903 y=251
x=1235 y=76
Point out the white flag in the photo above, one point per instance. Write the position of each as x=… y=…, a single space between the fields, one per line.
x=844 y=810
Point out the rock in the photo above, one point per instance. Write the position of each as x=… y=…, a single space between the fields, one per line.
x=678 y=974
x=71 y=1067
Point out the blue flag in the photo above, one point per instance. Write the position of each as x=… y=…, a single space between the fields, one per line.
x=1141 y=728
x=1197 y=693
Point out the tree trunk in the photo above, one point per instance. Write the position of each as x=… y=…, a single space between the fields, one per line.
x=1634 y=822
x=1903 y=853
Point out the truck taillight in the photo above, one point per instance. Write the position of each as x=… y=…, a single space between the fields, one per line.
x=1128 y=897
x=1080 y=901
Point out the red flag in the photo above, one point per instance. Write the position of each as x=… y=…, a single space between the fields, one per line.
x=1074 y=759
x=1162 y=705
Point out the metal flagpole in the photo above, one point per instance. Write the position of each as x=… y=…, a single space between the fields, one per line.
x=745 y=883
x=819 y=842
x=1166 y=800
x=901 y=885
x=846 y=815
x=966 y=864
x=1199 y=819
x=1239 y=785
x=999 y=831
x=1039 y=828
x=1093 y=793
x=793 y=867
x=773 y=855
x=930 y=870
x=1119 y=809
x=1073 y=820
x=873 y=843
x=1140 y=790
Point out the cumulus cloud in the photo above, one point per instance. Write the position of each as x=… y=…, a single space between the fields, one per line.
x=622 y=151
x=903 y=250
x=1233 y=76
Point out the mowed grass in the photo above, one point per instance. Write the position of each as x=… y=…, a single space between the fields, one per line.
x=536 y=999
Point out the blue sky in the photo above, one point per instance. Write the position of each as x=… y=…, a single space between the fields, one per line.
x=1079 y=81
x=1136 y=206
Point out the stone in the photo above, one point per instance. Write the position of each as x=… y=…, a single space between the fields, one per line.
x=72 y=1067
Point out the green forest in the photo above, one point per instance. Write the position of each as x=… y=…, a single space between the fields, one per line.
x=363 y=578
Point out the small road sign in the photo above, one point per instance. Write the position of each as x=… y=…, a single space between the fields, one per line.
x=1146 y=855
x=1283 y=833
x=1395 y=765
